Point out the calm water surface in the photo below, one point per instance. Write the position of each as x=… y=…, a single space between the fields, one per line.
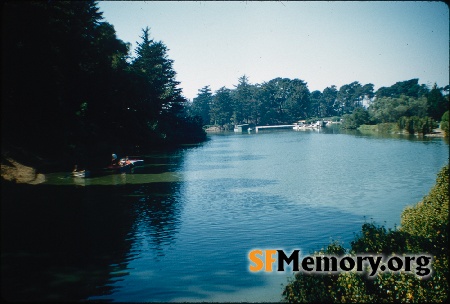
x=180 y=228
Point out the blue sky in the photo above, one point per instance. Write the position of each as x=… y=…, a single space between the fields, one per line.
x=323 y=43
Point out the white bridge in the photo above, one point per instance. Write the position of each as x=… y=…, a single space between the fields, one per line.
x=272 y=127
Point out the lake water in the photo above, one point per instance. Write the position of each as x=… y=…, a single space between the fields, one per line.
x=180 y=228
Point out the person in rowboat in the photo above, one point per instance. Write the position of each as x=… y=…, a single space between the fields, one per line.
x=114 y=159
x=77 y=172
x=124 y=161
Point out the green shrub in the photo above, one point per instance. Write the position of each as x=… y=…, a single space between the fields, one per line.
x=445 y=124
x=415 y=124
x=424 y=229
x=376 y=239
x=428 y=223
x=429 y=218
x=368 y=128
x=311 y=287
x=384 y=128
x=388 y=127
x=358 y=117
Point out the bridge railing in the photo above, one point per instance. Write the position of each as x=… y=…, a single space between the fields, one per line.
x=270 y=127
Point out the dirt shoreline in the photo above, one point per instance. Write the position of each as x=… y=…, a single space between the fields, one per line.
x=436 y=133
x=16 y=172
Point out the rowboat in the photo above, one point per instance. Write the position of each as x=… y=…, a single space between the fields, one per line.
x=82 y=173
x=126 y=165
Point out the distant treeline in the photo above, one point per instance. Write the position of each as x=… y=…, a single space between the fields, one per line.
x=284 y=100
x=71 y=87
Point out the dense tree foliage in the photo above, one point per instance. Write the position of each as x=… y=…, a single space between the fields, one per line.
x=70 y=86
x=244 y=106
x=202 y=105
x=410 y=88
x=284 y=100
x=351 y=96
x=280 y=100
x=415 y=124
x=424 y=229
x=437 y=103
x=388 y=109
x=221 y=107
x=359 y=117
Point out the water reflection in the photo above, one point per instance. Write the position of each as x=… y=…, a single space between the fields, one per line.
x=157 y=215
x=59 y=245
x=69 y=243
x=180 y=227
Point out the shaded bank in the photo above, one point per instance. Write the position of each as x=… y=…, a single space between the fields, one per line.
x=87 y=95
x=392 y=128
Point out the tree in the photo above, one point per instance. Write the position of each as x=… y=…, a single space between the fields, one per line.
x=69 y=88
x=367 y=93
x=201 y=105
x=415 y=124
x=409 y=88
x=359 y=117
x=269 y=111
x=297 y=102
x=156 y=99
x=331 y=104
x=387 y=109
x=245 y=106
x=437 y=103
x=351 y=96
x=221 y=107
x=317 y=104
x=52 y=55
x=283 y=100
x=160 y=91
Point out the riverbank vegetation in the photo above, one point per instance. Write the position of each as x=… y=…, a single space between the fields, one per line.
x=414 y=107
x=72 y=90
x=383 y=128
x=424 y=229
x=445 y=124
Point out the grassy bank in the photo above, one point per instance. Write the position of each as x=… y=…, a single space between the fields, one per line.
x=385 y=128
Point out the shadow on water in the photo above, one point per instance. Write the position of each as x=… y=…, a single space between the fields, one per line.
x=120 y=236
x=69 y=240
x=336 y=129
x=70 y=243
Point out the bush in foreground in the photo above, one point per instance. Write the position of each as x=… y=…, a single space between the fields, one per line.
x=424 y=229
x=444 y=124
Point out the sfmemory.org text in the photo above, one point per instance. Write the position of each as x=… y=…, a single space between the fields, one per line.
x=263 y=260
